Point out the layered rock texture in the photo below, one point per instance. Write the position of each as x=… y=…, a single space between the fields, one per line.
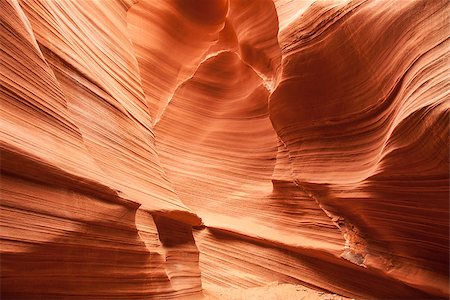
x=154 y=149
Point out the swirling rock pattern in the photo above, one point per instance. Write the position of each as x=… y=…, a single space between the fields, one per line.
x=154 y=149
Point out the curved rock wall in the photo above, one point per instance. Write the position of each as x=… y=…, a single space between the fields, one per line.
x=150 y=146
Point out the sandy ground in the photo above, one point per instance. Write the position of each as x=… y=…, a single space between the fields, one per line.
x=270 y=292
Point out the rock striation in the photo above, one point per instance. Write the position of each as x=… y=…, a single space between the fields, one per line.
x=155 y=149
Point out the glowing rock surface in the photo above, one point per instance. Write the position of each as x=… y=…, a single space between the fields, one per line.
x=214 y=149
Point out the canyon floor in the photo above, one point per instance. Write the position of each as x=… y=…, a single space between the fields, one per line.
x=274 y=291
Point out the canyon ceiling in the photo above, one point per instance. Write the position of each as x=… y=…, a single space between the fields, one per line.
x=151 y=149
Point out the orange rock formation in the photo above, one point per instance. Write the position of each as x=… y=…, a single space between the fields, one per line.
x=151 y=147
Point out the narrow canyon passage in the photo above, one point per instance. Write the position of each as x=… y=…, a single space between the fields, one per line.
x=224 y=149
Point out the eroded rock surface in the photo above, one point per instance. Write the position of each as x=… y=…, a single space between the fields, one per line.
x=151 y=147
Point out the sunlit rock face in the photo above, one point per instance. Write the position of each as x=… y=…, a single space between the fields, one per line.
x=192 y=149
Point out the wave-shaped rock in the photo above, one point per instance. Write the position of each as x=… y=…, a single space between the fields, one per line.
x=149 y=147
x=362 y=107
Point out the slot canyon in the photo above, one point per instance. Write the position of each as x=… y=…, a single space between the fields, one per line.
x=224 y=149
